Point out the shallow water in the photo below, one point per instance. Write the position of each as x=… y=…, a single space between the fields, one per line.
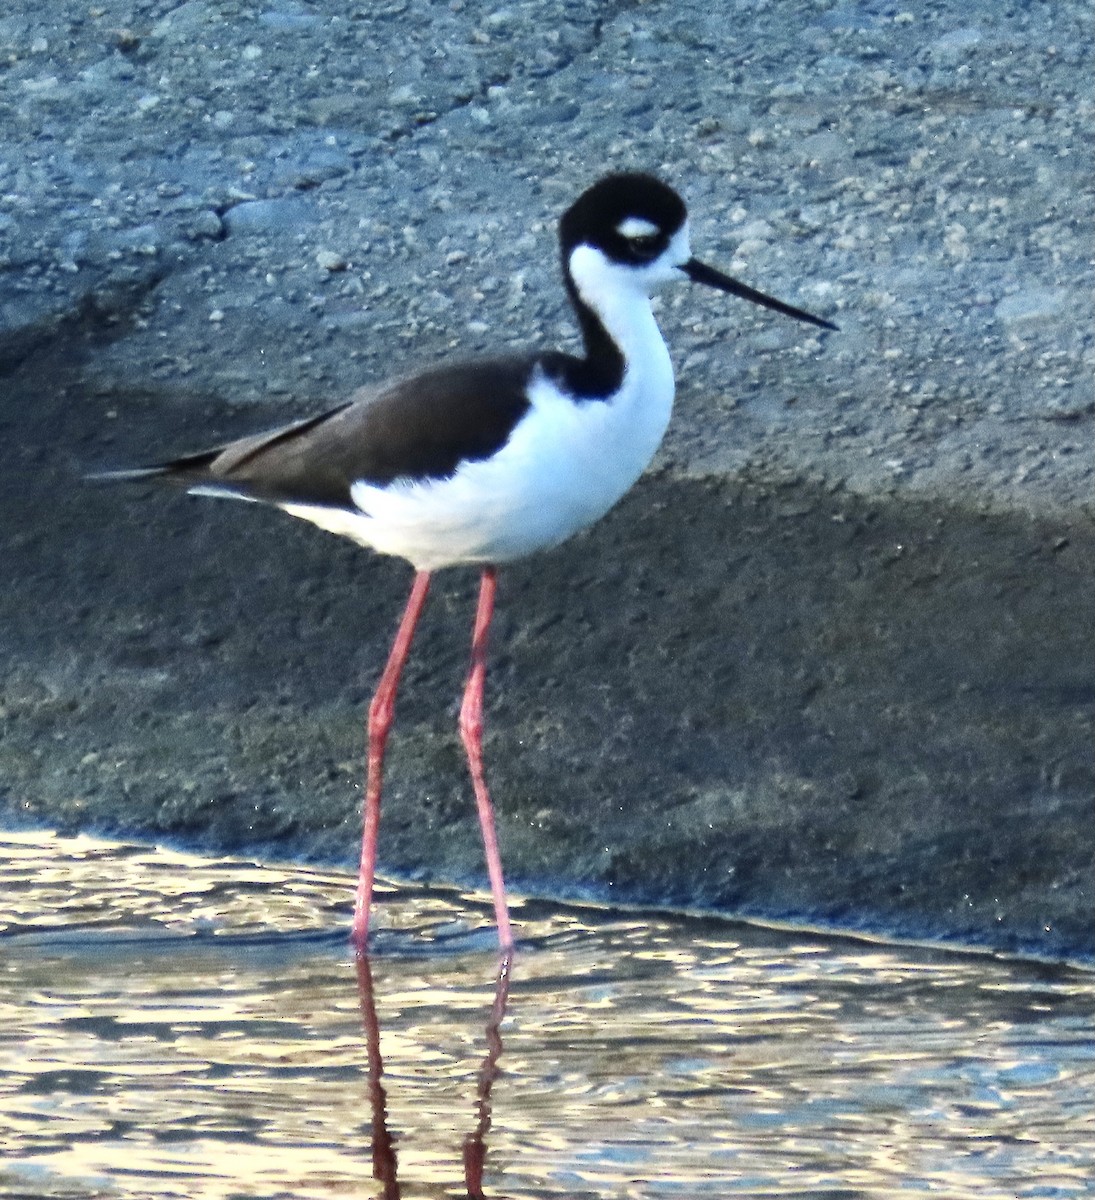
x=178 y=1026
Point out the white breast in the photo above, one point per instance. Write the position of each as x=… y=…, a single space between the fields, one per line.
x=564 y=466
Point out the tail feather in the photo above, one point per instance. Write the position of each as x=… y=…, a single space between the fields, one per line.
x=212 y=472
x=191 y=472
x=129 y=475
x=188 y=469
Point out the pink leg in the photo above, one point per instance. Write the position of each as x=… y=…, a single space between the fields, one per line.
x=381 y=712
x=471 y=731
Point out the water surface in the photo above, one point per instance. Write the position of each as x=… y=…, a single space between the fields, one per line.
x=173 y=1026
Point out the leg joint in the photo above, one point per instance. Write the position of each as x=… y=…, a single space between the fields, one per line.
x=471 y=727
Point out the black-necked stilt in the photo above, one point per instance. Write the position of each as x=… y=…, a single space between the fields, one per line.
x=484 y=462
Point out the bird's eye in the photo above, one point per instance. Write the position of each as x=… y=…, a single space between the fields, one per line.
x=645 y=245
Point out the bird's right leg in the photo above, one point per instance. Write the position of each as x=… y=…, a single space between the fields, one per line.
x=471 y=731
x=381 y=712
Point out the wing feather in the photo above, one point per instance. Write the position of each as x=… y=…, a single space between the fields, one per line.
x=418 y=428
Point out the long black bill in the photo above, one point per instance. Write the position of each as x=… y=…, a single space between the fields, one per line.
x=700 y=272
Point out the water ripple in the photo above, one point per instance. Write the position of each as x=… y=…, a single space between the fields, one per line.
x=177 y=1026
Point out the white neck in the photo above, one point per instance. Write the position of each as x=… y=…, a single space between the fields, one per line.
x=620 y=299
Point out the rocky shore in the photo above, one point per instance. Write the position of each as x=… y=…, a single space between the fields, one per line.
x=831 y=661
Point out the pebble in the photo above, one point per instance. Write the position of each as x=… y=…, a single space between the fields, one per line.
x=182 y=23
x=205 y=226
x=1032 y=306
x=958 y=39
x=757 y=231
x=288 y=20
x=825 y=147
x=269 y=216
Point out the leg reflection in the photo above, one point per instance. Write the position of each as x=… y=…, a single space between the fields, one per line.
x=385 y=1166
x=475 y=1144
x=384 y=1163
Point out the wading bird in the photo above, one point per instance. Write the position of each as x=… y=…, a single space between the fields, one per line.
x=483 y=462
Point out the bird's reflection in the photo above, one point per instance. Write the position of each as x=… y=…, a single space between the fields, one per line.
x=385 y=1165
x=475 y=1144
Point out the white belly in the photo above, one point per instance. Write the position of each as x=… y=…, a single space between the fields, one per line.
x=564 y=467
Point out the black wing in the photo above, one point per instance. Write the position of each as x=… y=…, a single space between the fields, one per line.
x=419 y=428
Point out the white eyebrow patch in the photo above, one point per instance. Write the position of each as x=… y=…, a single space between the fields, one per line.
x=637 y=227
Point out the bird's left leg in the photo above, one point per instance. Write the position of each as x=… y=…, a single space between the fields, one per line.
x=471 y=731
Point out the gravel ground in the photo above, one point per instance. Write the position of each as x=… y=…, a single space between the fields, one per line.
x=832 y=658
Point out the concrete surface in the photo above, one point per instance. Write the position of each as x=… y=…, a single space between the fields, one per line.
x=830 y=661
